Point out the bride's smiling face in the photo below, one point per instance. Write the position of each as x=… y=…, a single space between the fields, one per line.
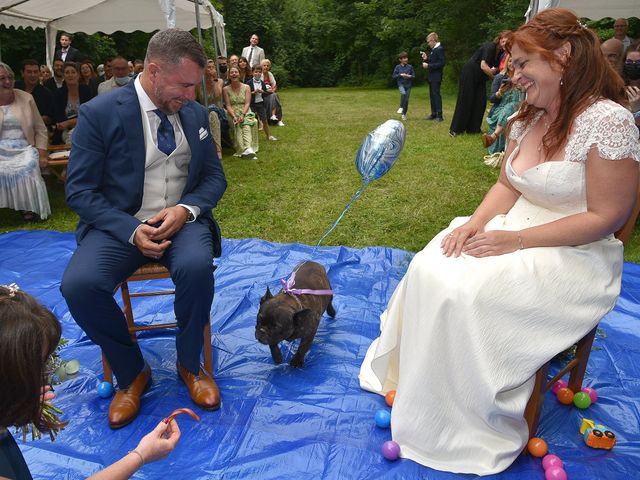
x=539 y=78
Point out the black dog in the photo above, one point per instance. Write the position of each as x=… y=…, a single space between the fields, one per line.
x=288 y=316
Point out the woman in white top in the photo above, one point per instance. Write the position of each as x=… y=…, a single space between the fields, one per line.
x=495 y=296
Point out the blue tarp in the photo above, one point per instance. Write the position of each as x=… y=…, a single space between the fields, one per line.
x=277 y=422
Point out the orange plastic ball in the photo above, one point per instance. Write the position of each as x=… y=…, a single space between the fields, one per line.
x=537 y=447
x=390 y=397
x=565 y=395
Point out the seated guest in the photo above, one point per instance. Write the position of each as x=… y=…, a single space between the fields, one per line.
x=29 y=334
x=273 y=105
x=245 y=69
x=143 y=178
x=89 y=78
x=45 y=74
x=244 y=125
x=631 y=76
x=534 y=269
x=30 y=83
x=138 y=66
x=119 y=67
x=66 y=103
x=57 y=80
x=259 y=92
x=106 y=70
x=212 y=99
x=222 y=68
x=509 y=97
x=613 y=50
x=23 y=151
x=620 y=28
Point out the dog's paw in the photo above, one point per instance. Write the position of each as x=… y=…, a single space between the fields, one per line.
x=276 y=354
x=297 y=362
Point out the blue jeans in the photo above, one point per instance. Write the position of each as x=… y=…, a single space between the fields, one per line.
x=404 y=98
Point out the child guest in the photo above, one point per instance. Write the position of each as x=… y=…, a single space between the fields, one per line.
x=404 y=75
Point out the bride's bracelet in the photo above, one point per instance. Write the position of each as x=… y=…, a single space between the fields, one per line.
x=520 y=245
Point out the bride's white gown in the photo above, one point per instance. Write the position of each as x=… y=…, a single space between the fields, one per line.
x=462 y=338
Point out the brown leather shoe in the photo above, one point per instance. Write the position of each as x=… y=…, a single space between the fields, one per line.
x=125 y=405
x=202 y=388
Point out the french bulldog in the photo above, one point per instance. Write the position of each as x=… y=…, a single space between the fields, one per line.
x=288 y=316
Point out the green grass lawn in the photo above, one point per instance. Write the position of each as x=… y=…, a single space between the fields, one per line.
x=301 y=183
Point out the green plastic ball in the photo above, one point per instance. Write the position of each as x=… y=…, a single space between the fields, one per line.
x=581 y=400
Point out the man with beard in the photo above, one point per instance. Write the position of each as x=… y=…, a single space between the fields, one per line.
x=30 y=83
x=143 y=177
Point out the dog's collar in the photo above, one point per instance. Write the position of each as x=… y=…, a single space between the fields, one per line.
x=287 y=287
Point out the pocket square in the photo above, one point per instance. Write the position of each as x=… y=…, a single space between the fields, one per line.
x=203 y=133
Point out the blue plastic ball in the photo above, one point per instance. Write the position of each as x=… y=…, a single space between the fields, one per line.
x=383 y=418
x=105 y=390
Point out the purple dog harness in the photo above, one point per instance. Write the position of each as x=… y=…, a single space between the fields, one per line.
x=287 y=287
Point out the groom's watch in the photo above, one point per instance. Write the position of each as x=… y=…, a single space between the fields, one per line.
x=190 y=217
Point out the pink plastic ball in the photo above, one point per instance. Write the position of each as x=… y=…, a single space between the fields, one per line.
x=551 y=461
x=555 y=473
x=558 y=385
x=390 y=450
x=593 y=395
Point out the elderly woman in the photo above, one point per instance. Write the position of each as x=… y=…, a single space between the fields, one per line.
x=244 y=124
x=66 y=103
x=23 y=151
x=534 y=269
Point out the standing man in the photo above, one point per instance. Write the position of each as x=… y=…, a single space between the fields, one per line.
x=253 y=53
x=66 y=52
x=120 y=71
x=621 y=26
x=434 y=64
x=143 y=177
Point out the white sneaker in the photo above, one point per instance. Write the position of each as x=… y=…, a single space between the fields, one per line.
x=399 y=110
x=248 y=151
x=272 y=138
x=274 y=118
x=281 y=123
x=404 y=117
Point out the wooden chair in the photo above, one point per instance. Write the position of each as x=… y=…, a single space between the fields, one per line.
x=60 y=163
x=578 y=365
x=152 y=271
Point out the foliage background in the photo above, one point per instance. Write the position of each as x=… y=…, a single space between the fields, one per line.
x=327 y=42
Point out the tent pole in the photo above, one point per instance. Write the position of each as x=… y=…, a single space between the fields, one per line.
x=204 y=85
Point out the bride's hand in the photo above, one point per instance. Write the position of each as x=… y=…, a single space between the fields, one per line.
x=453 y=242
x=495 y=242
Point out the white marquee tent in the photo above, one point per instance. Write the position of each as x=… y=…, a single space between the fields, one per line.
x=591 y=9
x=108 y=16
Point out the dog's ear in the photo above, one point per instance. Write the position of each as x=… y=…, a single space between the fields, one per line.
x=267 y=296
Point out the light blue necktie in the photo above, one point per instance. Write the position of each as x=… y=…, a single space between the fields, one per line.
x=166 y=135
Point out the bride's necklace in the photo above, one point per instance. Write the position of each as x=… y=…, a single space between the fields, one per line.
x=546 y=130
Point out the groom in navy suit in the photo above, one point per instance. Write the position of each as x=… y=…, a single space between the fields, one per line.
x=143 y=176
x=434 y=63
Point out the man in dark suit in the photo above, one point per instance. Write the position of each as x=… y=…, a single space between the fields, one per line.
x=434 y=63
x=143 y=176
x=66 y=52
x=30 y=83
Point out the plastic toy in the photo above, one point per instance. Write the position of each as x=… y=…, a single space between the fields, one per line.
x=105 y=390
x=565 y=395
x=597 y=435
x=555 y=473
x=390 y=397
x=593 y=395
x=558 y=385
x=551 y=461
x=537 y=447
x=390 y=450
x=581 y=400
x=383 y=418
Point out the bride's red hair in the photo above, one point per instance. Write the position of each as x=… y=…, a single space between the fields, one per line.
x=587 y=75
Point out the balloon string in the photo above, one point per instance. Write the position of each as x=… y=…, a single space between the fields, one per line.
x=355 y=197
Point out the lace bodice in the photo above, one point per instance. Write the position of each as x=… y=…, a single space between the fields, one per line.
x=605 y=124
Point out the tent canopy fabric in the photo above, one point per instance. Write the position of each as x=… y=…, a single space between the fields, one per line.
x=591 y=9
x=108 y=16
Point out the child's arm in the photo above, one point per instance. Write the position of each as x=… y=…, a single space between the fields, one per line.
x=396 y=72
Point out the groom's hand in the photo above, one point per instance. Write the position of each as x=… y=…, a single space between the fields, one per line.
x=143 y=239
x=172 y=219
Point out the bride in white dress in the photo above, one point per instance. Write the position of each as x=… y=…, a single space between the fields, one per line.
x=495 y=296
